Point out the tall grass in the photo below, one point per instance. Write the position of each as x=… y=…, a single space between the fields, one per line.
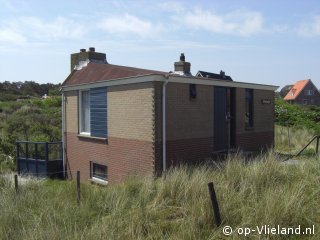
x=292 y=139
x=264 y=192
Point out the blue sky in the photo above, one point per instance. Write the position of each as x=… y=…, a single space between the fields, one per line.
x=268 y=42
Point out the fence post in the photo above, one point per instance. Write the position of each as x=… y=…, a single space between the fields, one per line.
x=27 y=156
x=18 y=156
x=16 y=183
x=317 y=146
x=78 y=188
x=215 y=204
x=289 y=142
x=36 y=158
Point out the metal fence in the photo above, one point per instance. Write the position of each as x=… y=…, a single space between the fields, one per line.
x=40 y=159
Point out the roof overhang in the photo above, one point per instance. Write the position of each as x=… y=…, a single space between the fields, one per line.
x=170 y=79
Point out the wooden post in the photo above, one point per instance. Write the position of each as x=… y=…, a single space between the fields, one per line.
x=215 y=205
x=16 y=182
x=78 y=188
x=18 y=156
x=36 y=158
x=289 y=142
x=317 y=146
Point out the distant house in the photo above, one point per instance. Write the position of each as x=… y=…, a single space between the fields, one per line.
x=120 y=121
x=221 y=76
x=284 y=91
x=304 y=92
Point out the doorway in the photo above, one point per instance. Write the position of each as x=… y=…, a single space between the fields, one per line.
x=224 y=119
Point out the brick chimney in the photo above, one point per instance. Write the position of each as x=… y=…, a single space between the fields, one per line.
x=182 y=67
x=82 y=57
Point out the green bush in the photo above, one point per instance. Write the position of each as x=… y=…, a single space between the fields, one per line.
x=298 y=116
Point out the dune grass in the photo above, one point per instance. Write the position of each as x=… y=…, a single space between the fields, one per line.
x=263 y=191
x=292 y=139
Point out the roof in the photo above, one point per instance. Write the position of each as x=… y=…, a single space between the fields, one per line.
x=296 y=90
x=213 y=75
x=102 y=74
x=95 y=72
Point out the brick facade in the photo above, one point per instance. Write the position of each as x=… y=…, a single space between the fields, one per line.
x=134 y=144
x=124 y=157
x=190 y=135
x=262 y=133
x=129 y=148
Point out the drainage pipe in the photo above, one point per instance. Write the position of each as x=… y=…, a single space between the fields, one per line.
x=164 y=130
x=63 y=136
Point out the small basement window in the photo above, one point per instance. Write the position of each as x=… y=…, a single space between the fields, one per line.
x=98 y=172
x=193 y=91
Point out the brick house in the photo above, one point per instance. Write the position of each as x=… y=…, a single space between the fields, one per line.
x=120 y=121
x=304 y=92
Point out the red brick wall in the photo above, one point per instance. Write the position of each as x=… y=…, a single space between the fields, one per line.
x=124 y=157
x=255 y=141
x=188 y=150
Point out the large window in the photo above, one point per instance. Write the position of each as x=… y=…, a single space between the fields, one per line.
x=308 y=92
x=98 y=172
x=93 y=112
x=85 y=112
x=249 y=108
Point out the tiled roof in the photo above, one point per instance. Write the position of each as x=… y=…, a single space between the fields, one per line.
x=95 y=72
x=296 y=90
x=213 y=75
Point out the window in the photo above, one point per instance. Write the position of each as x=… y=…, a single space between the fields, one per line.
x=85 y=112
x=192 y=91
x=305 y=101
x=93 y=112
x=249 y=108
x=308 y=92
x=98 y=172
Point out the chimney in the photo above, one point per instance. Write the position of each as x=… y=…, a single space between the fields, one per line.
x=222 y=74
x=83 y=57
x=182 y=67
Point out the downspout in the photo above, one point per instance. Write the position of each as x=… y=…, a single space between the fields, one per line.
x=63 y=137
x=164 y=130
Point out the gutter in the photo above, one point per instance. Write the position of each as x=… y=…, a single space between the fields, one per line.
x=63 y=137
x=164 y=130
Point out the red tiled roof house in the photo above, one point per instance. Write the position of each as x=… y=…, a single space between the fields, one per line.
x=120 y=121
x=303 y=92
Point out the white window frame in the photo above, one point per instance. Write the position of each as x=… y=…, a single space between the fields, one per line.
x=97 y=179
x=80 y=113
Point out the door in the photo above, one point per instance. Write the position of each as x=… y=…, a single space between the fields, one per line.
x=224 y=120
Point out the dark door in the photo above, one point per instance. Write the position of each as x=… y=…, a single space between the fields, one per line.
x=221 y=118
x=224 y=118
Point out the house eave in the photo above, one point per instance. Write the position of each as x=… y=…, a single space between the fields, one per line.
x=171 y=79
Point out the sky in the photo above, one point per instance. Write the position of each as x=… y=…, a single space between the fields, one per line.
x=268 y=42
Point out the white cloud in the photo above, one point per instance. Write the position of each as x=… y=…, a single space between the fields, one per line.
x=130 y=24
x=60 y=27
x=24 y=29
x=10 y=36
x=241 y=23
x=310 y=28
x=172 y=6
